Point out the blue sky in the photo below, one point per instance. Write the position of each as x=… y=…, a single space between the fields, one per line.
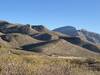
x=53 y=13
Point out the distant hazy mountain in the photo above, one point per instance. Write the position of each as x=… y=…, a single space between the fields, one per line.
x=83 y=34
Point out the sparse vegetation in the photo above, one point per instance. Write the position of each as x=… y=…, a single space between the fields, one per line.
x=35 y=50
x=35 y=64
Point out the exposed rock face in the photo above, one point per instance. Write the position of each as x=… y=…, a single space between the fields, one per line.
x=6 y=27
x=83 y=34
x=13 y=28
x=27 y=30
x=91 y=36
x=18 y=36
x=40 y=28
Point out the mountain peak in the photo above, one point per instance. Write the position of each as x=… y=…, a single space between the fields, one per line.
x=69 y=30
x=83 y=33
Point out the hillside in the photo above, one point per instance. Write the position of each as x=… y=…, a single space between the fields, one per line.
x=36 y=50
x=83 y=34
x=29 y=36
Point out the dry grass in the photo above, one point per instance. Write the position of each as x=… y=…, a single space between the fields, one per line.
x=18 y=62
x=62 y=47
x=35 y=64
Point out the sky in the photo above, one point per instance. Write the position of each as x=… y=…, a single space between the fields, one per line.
x=82 y=14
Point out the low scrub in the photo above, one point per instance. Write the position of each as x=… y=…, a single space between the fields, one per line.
x=33 y=64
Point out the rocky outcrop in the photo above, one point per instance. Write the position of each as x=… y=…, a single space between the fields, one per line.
x=18 y=35
x=39 y=28
x=83 y=34
x=91 y=36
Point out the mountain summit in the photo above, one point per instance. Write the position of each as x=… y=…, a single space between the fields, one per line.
x=83 y=34
x=36 y=50
x=69 y=30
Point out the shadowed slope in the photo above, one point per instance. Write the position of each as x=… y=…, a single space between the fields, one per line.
x=60 y=47
x=83 y=34
x=17 y=40
x=78 y=41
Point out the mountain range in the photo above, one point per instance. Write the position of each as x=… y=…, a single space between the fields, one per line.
x=37 y=36
x=38 y=42
x=83 y=34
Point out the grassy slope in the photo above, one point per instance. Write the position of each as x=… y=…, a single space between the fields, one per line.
x=17 y=62
x=62 y=47
x=18 y=40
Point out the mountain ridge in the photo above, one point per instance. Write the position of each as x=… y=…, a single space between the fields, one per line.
x=86 y=35
x=35 y=50
x=19 y=35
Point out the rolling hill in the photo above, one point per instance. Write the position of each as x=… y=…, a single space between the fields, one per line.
x=36 y=50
